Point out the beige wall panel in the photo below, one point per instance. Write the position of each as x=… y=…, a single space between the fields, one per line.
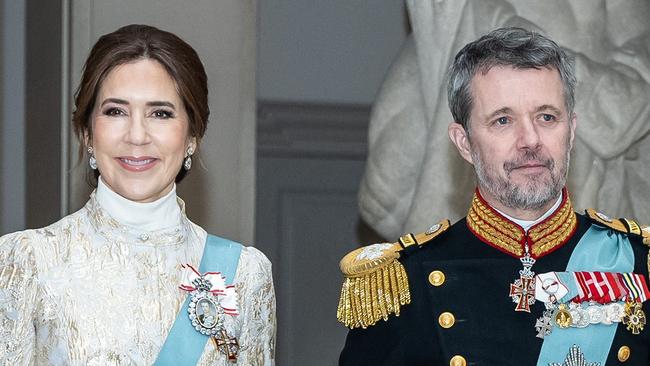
x=220 y=190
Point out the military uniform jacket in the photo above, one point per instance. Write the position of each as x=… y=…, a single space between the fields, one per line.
x=460 y=312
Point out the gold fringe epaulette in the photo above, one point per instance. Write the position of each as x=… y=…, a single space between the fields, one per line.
x=623 y=225
x=376 y=284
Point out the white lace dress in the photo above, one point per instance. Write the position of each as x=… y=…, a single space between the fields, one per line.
x=89 y=290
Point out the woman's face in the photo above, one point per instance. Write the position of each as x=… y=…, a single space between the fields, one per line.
x=140 y=131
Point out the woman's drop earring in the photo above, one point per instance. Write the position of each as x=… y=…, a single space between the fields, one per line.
x=187 y=163
x=92 y=161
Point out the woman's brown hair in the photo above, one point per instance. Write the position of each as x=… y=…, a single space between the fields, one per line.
x=131 y=43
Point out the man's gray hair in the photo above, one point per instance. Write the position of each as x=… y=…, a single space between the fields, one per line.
x=516 y=47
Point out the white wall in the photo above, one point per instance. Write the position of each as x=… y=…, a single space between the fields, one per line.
x=334 y=51
x=12 y=116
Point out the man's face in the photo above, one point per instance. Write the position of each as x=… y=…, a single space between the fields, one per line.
x=206 y=308
x=520 y=136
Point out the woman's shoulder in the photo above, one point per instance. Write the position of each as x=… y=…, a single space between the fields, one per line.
x=252 y=262
x=24 y=242
x=254 y=255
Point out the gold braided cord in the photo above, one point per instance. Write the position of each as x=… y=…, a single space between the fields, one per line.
x=557 y=237
x=506 y=235
x=394 y=288
x=487 y=214
x=373 y=296
x=377 y=304
x=491 y=234
x=554 y=222
x=385 y=290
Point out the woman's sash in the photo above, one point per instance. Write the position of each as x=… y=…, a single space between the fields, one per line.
x=184 y=345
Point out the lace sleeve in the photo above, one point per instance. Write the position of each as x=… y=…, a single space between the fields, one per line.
x=18 y=294
x=257 y=303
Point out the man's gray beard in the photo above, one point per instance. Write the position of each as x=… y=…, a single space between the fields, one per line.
x=532 y=195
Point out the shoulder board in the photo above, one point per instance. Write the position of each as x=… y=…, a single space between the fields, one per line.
x=623 y=225
x=422 y=238
x=375 y=283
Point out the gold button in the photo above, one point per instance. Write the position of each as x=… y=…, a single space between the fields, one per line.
x=623 y=353
x=436 y=278
x=446 y=320
x=457 y=361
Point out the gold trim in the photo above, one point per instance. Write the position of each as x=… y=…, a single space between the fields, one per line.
x=483 y=220
x=376 y=284
x=407 y=240
x=633 y=226
x=369 y=298
x=599 y=218
x=504 y=234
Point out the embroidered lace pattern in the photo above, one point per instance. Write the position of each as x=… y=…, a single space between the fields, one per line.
x=89 y=291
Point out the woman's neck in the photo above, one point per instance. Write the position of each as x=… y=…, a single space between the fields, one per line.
x=160 y=214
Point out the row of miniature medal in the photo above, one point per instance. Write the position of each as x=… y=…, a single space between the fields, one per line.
x=596 y=301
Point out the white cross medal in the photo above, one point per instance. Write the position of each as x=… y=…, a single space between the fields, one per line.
x=522 y=290
x=210 y=302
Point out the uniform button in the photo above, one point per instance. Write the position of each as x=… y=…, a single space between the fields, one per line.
x=446 y=320
x=436 y=278
x=457 y=361
x=623 y=353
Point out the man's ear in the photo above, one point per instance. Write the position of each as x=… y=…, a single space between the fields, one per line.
x=459 y=137
x=573 y=123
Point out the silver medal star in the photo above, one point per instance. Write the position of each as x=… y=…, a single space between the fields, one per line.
x=543 y=325
x=575 y=358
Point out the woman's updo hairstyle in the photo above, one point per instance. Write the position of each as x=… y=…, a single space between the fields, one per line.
x=135 y=42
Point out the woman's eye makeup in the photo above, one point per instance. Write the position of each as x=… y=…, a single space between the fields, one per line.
x=163 y=114
x=113 y=112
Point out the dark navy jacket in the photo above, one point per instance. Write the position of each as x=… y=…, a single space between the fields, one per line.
x=487 y=331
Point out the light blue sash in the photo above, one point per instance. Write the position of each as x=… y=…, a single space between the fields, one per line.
x=184 y=345
x=600 y=249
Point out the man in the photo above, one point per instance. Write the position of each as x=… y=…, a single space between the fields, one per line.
x=522 y=279
x=206 y=318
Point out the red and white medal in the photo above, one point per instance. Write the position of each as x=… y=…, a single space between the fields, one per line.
x=522 y=291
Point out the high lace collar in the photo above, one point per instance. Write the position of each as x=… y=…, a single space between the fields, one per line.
x=162 y=222
x=502 y=233
x=150 y=216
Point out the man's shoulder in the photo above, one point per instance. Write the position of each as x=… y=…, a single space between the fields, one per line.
x=623 y=225
x=376 y=284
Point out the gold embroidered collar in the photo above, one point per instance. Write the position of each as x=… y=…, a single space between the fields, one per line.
x=544 y=237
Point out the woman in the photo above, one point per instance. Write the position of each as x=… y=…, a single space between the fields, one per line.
x=118 y=282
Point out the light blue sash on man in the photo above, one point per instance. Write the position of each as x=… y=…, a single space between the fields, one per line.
x=184 y=345
x=600 y=249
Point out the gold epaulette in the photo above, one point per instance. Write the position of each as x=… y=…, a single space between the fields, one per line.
x=375 y=283
x=623 y=225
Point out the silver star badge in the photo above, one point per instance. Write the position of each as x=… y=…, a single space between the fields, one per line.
x=575 y=358
x=543 y=325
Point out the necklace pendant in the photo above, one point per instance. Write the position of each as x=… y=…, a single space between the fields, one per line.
x=522 y=291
